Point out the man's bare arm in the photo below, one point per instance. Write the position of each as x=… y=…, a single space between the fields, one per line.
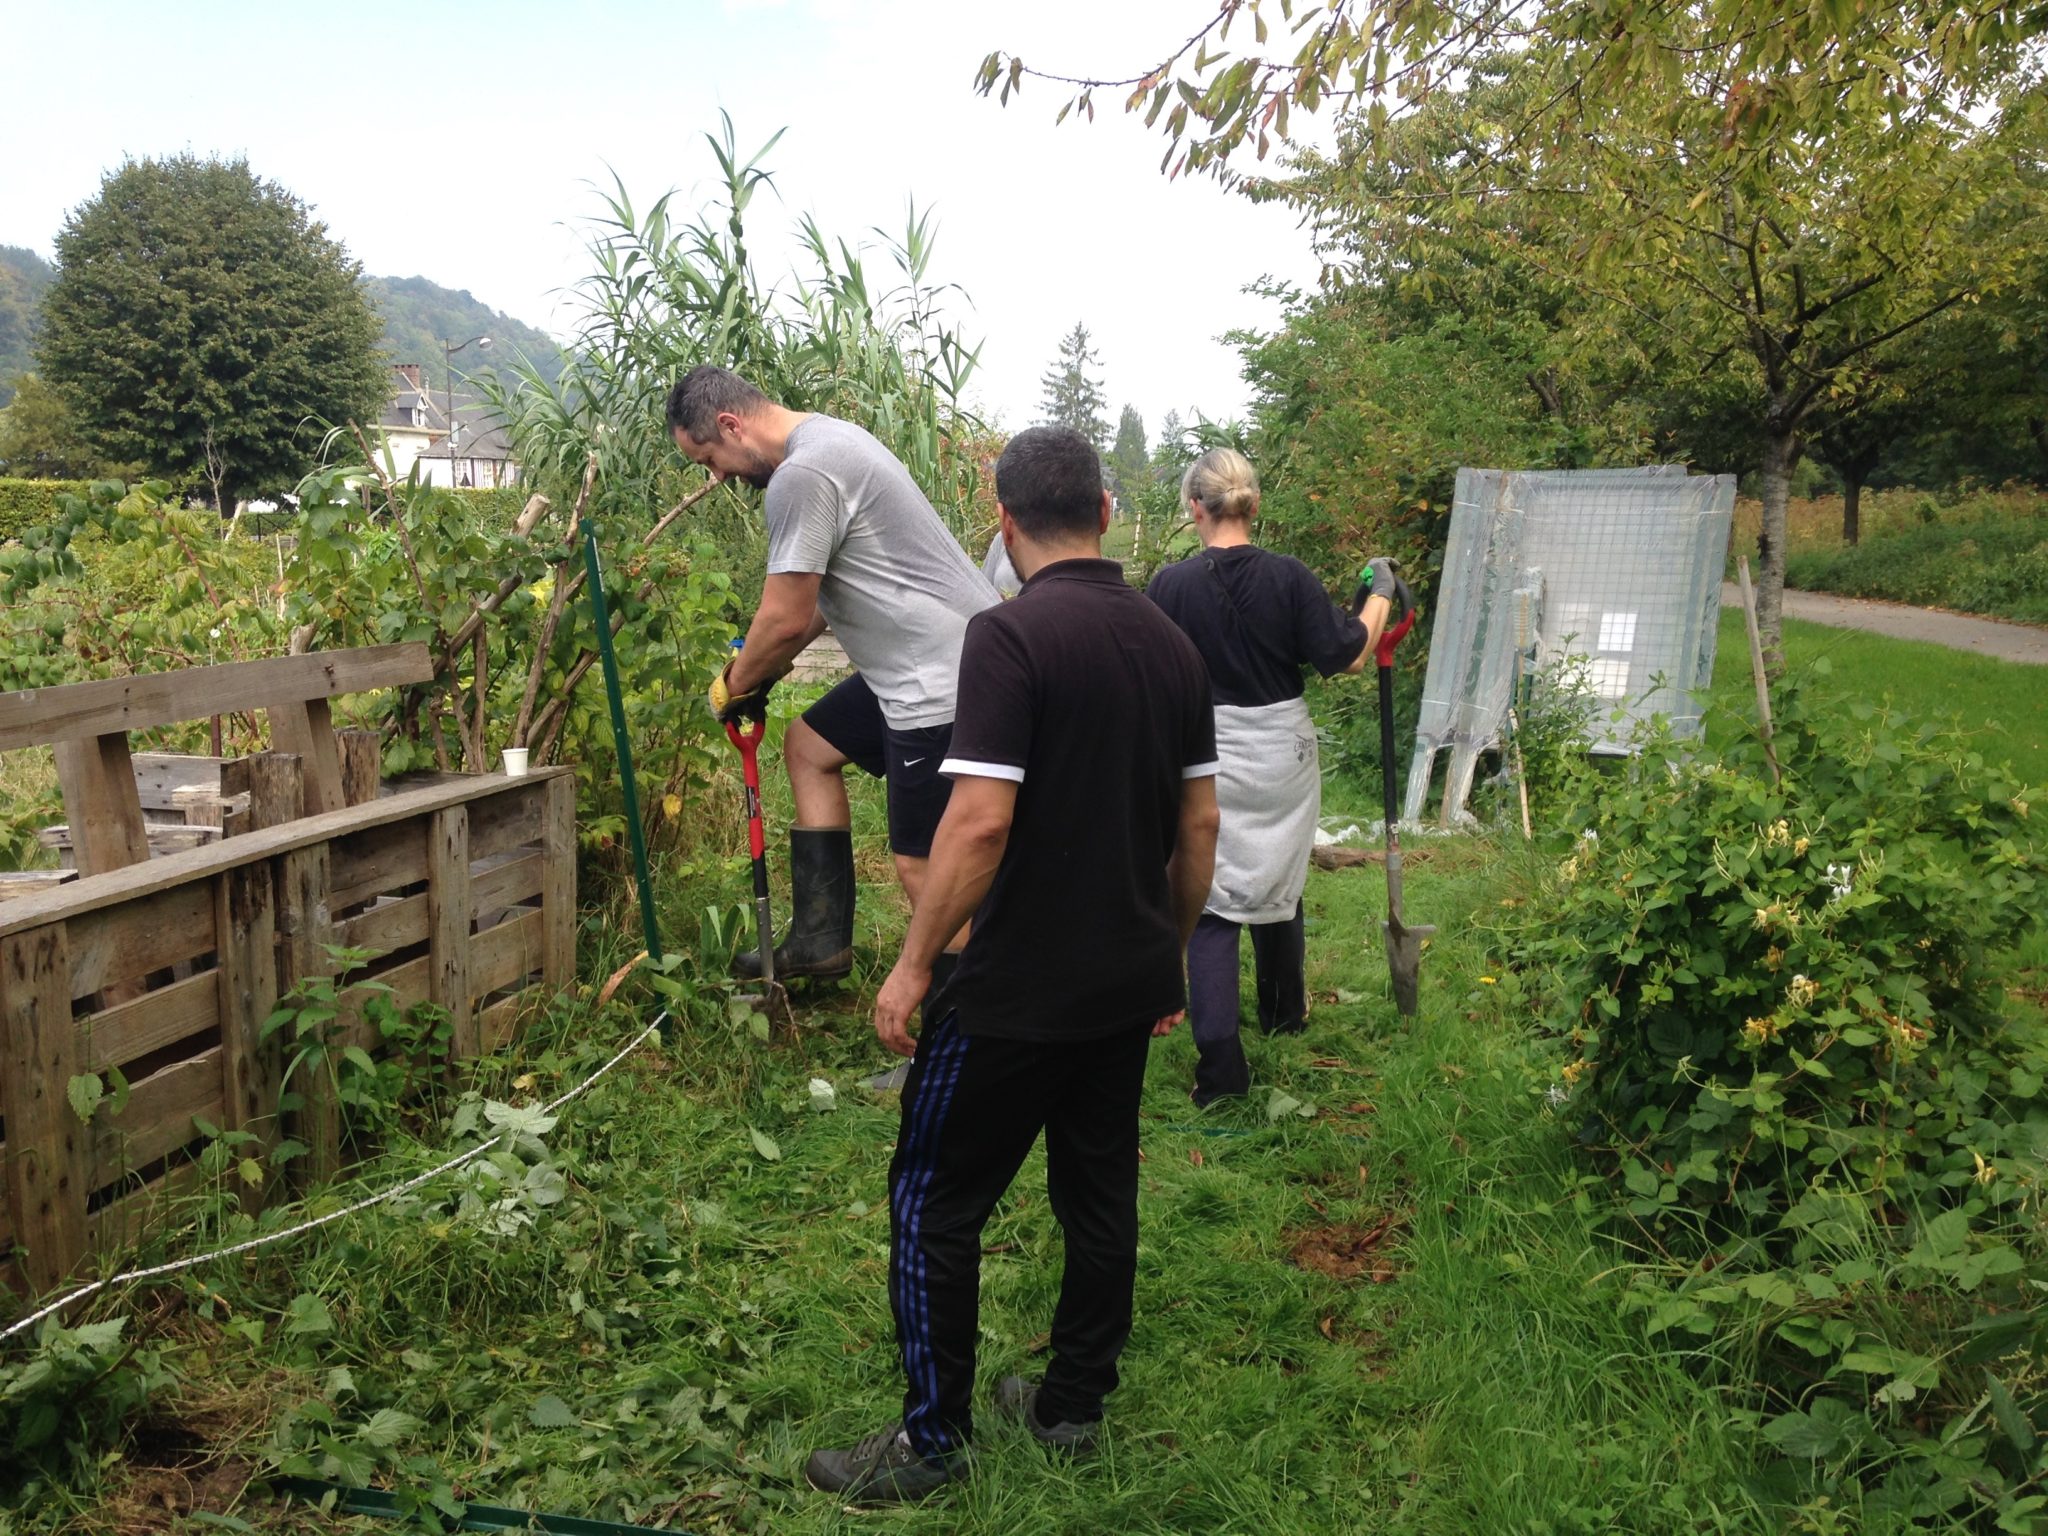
x=966 y=849
x=786 y=622
x=1193 y=864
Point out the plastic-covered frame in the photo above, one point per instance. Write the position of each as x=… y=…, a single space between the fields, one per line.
x=1619 y=569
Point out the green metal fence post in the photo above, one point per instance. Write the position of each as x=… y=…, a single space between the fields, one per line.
x=636 y=833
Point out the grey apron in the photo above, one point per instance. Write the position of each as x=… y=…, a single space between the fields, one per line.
x=1270 y=789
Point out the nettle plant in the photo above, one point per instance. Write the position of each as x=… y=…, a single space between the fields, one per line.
x=1790 y=1052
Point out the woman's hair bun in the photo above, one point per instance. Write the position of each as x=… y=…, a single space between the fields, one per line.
x=1224 y=482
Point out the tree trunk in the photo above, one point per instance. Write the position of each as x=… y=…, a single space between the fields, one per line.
x=1781 y=452
x=1852 y=507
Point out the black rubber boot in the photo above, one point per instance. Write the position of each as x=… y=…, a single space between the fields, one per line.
x=819 y=942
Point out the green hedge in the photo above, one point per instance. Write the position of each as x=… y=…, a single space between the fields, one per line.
x=31 y=503
x=503 y=502
x=1976 y=558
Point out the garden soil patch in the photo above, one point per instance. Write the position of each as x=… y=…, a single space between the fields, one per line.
x=1348 y=1252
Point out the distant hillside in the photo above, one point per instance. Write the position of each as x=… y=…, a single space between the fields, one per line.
x=23 y=278
x=419 y=315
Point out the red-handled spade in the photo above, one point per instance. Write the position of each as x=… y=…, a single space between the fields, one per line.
x=1404 y=944
x=773 y=999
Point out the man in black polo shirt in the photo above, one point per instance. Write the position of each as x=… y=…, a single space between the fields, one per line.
x=1080 y=837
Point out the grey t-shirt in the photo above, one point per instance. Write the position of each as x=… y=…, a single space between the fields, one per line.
x=996 y=566
x=898 y=590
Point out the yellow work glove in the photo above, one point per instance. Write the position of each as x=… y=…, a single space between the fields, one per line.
x=727 y=705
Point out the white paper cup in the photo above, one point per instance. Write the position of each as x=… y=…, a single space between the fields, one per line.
x=515 y=762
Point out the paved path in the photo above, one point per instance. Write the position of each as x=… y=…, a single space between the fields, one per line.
x=1958 y=631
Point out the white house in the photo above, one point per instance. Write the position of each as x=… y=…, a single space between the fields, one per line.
x=412 y=422
x=479 y=454
x=414 y=434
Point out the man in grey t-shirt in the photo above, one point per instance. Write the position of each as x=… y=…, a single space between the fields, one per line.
x=853 y=544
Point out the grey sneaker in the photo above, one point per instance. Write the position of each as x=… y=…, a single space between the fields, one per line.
x=1018 y=1399
x=883 y=1469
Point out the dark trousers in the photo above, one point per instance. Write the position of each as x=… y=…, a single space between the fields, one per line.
x=972 y=1108
x=1279 y=955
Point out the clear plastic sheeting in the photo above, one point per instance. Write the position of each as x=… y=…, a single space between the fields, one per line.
x=1613 y=573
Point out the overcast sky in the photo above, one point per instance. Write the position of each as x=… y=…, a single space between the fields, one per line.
x=459 y=142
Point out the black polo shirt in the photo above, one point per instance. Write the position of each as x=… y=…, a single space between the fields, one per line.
x=1088 y=698
x=1257 y=618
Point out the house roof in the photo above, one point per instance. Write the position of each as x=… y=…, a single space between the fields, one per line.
x=479 y=434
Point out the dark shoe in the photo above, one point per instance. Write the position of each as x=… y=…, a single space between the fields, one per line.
x=1018 y=1399
x=1204 y=1100
x=819 y=943
x=883 y=1469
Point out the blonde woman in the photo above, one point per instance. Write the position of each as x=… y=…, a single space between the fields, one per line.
x=1260 y=621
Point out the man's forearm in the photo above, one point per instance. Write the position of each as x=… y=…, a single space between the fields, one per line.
x=963 y=867
x=1188 y=874
x=774 y=640
x=1193 y=864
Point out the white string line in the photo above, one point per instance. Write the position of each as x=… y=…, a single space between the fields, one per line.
x=279 y=1236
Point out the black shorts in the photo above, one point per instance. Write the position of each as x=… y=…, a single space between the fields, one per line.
x=850 y=718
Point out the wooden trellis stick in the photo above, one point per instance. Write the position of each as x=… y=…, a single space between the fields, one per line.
x=1756 y=666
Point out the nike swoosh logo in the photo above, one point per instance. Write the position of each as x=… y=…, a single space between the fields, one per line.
x=912 y=762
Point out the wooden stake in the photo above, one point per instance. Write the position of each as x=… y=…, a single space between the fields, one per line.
x=1521 y=775
x=1756 y=666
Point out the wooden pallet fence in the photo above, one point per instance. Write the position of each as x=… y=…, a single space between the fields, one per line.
x=168 y=970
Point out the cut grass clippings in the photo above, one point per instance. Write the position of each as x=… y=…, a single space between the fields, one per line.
x=668 y=1343
x=1372 y=1297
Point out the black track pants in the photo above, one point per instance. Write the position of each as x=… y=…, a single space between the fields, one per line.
x=1279 y=956
x=972 y=1108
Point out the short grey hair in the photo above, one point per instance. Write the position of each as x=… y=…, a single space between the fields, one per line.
x=706 y=393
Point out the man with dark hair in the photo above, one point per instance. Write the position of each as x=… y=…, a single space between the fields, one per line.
x=1080 y=839
x=851 y=541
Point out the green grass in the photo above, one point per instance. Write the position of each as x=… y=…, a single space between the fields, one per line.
x=704 y=1315
x=668 y=1342
x=2001 y=706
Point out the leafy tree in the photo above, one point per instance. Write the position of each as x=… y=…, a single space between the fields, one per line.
x=202 y=321
x=1071 y=394
x=1869 y=418
x=1170 y=454
x=1792 y=71
x=1793 y=272
x=1130 y=465
x=1986 y=416
x=24 y=278
x=40 y=441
